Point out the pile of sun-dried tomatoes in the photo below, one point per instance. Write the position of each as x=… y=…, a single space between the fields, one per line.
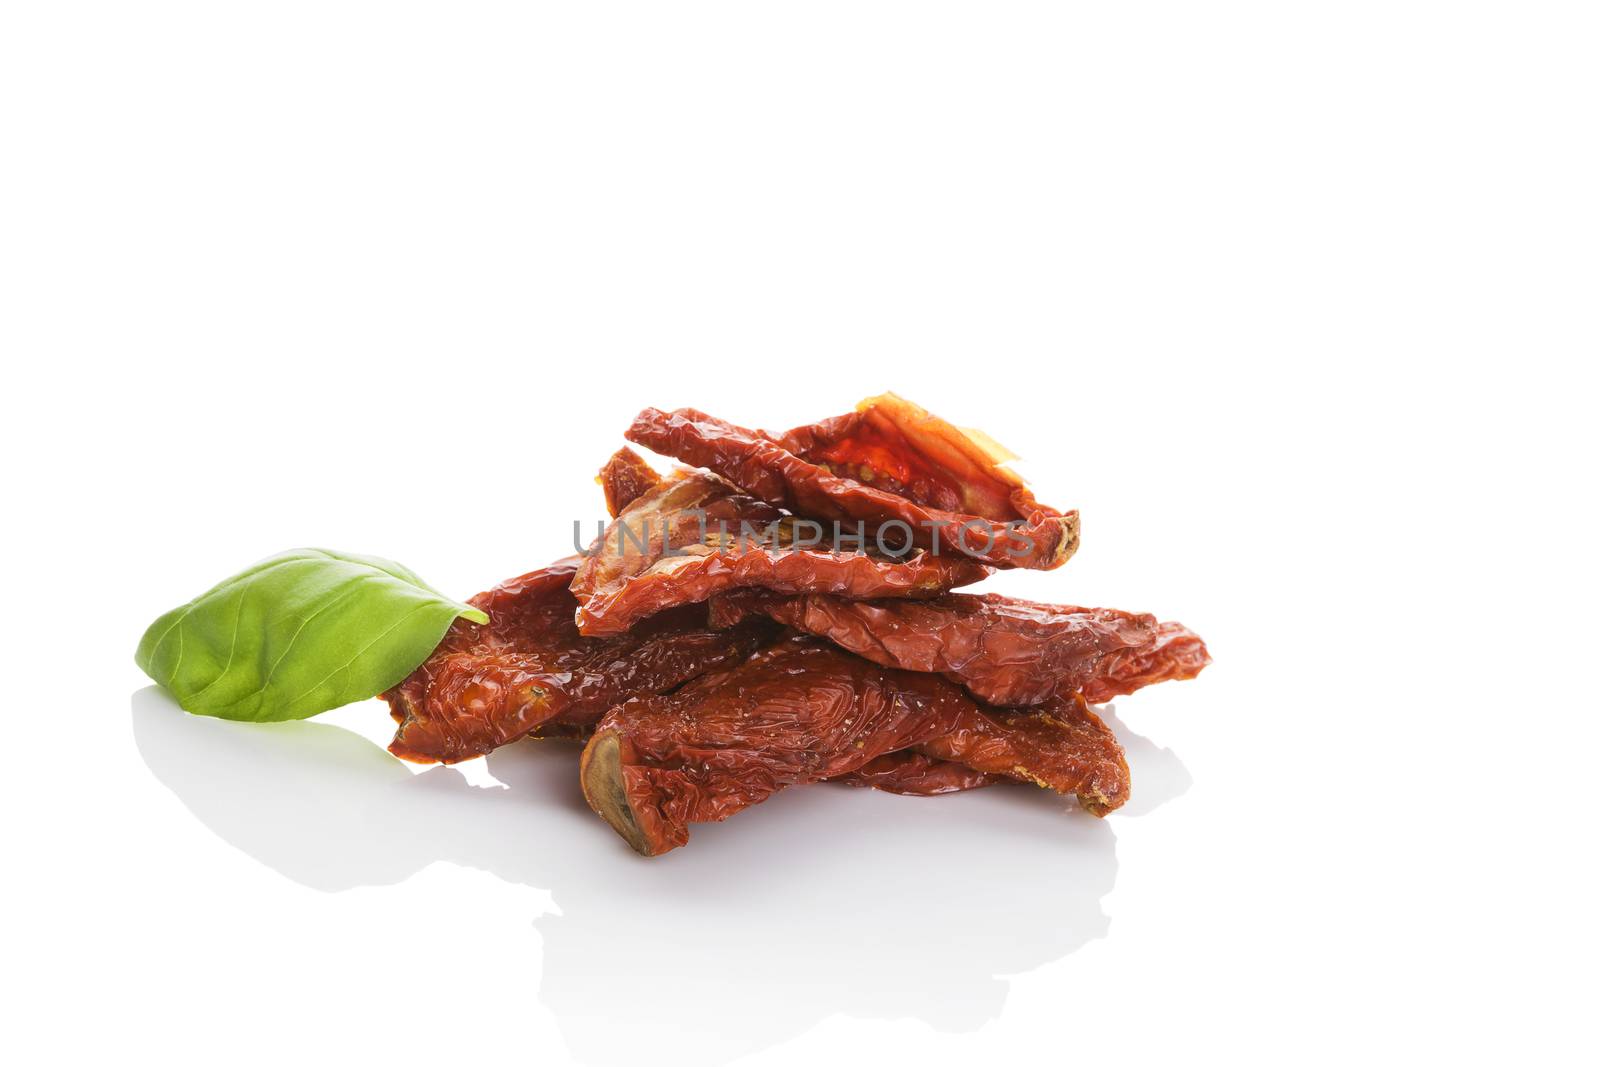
x=778 y=612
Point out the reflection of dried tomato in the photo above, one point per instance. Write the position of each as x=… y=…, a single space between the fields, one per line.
x=625 y=478
x=487 y=685
x=1004 y=650
x=924 y=465
x=694 y=535
x=803 y=711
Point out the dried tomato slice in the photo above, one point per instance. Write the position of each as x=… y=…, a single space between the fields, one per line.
x=625 y=478
x=1012 y=530
x=693 y=535
x=803 y=711
x=1004 y=650
x=894 y=444
x=485 y=686
x=912 y=774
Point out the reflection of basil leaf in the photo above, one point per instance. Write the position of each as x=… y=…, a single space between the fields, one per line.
x=297 y=634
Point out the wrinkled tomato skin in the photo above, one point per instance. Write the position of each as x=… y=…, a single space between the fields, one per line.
x=911 y=774
x=625 y=478
x=485 y=686
x=803 y=711
x=1027 y=534
x=692 y=536
x=1004 y=650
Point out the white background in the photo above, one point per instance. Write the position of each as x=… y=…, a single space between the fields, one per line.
x=1295 y=301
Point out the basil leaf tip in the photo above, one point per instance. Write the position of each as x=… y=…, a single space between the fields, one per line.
x=297 y=634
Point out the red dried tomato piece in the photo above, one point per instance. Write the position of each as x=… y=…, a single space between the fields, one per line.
x=625 y=478
x=803 y=711
x=693 y=535
x=927 y=467
x=912 y=774
x=485 y=686
x=1004 y=650
x=896 y=445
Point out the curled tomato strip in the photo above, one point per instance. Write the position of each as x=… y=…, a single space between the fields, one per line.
x=530 y=670
x=911 y=774
x=1016 y=532
x=803 y=711
x=692 y=536
x=1004 y=650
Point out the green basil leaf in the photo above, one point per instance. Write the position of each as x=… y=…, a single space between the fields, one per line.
x=297 y=634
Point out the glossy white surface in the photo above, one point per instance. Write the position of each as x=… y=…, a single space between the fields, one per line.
x=851 y=920
x=1291 y=300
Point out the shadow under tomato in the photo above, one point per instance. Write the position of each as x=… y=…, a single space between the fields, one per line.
x=823 y=900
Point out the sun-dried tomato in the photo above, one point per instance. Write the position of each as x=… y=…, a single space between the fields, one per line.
x=625 y=478
x=1010 y=530
x=912 y=774
x=693 y=535
x=803 y=711
x=528 y=668
x=1006 y=651
x=906 y=773
x=896 y=445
